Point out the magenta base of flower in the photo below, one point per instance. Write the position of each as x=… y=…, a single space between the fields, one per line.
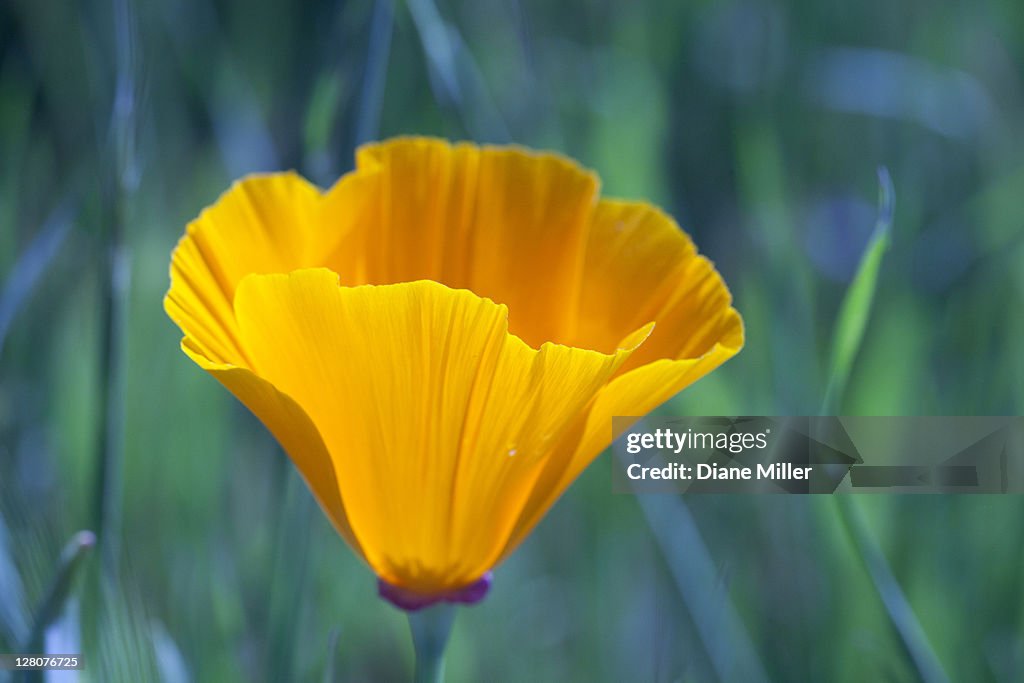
x=410 y=601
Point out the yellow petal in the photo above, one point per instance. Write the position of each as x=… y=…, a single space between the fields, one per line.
x=438 y=421
x=641 y=267
x=418 y=224
x=507 y=223
x=264 y=224
x=293 y=430
x=504 y=222
x=660 y=278
x=256 y=226
x=635 y=393
x=636 y=257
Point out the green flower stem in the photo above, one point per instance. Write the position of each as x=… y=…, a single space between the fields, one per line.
x=430 y=629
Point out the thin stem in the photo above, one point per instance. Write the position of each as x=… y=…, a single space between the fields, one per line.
x=57 y=593
x=901 y=613
x=117 y=182
x=430 y=630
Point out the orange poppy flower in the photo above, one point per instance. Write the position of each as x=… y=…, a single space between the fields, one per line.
x=439 y=341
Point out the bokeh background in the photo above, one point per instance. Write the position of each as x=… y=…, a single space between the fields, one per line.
x=759 y=124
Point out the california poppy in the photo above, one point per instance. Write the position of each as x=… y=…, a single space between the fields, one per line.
x=440 y=340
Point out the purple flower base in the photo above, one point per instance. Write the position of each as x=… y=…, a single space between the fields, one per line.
x=410 y=601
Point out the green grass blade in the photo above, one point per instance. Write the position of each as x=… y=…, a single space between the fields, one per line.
x=14 y=619
x=53 y=603
x=721 y=630
x=331 y=667
x=31 y=265
x=456 y=78
x=856 y=307
x=915 y=641
x=849 y=334
x=290 y=577
x=371 y=98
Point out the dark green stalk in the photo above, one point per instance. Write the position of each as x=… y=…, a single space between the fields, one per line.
x=118 y=180
x=431 y=628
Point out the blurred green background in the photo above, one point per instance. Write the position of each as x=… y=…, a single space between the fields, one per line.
x=758 y=124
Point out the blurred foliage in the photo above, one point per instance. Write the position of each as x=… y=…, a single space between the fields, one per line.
x=759 y=124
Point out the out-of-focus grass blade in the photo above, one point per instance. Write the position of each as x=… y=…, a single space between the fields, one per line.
x=371 y=98
x=856 y=307
x=439 y=49
x=13 y=616
x=71 y=559
x=125 y=644
x=914 y=639
x=455 y=77
x=849 y=333
x=324 y=158
x=31 y=265
x=65 y=635
x=290 y=577
x=120 y=179
x=726 y=641
x=330 y=669
x=167 y=655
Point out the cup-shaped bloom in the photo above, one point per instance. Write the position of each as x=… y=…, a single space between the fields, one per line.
x=439 y=341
